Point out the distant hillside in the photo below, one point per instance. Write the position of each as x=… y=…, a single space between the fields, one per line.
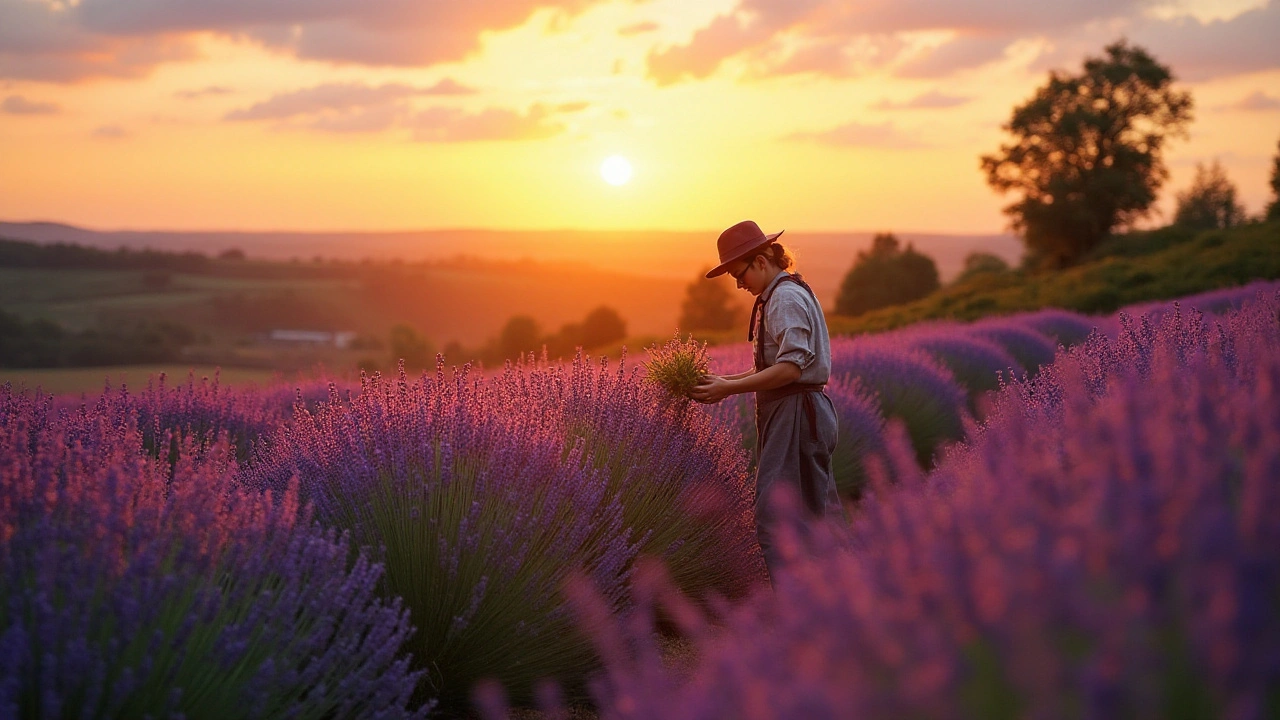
x=824 y=257
x=1131 y=268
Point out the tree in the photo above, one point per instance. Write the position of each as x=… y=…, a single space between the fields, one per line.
x=408 y=345
x=886 y=275
x=982 y=263
x=1087 y=152
x=1273 y=210
x=708 y=305
x=602 y=326
x=1210 y=202
x=519 y=336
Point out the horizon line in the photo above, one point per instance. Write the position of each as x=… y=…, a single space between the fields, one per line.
x=464 y=229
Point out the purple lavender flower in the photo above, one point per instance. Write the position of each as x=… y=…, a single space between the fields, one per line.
x=133 y=590
x=861 y=435
x=1063 y=327
x=976 y=363
x=484 y=495
x=908 y=386
x=1030 y=348
x=1114 y=557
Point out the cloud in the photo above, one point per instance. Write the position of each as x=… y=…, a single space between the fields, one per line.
x=440 y=124
x=638 y=28
x=854 y=134
x=70 y=41
x=203 y=92
x=821 y=36
x=964 y=52
x=110 y=132
x=837 y=38
x=1195 y=50
x=340 y=98
x=19 y=105
x=723 y=38
x=928 y=101
x=1256 y=101
x=361 y=108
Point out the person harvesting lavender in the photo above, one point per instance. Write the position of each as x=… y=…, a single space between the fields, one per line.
x=795 y=420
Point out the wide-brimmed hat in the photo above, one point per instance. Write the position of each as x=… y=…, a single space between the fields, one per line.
x=738 y=242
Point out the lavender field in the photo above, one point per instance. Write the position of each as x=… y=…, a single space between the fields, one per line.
x=1051 y=515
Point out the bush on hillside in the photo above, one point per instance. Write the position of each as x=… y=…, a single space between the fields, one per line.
x=886 y=275
x=1210 y=203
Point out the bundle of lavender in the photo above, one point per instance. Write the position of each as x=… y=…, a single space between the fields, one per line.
x=678 y=365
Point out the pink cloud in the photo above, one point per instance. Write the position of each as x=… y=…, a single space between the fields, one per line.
x=854 y=134
x=931 y=100
x=19 y=105
x=128 y=38
x=340 y=98
x=442 y=124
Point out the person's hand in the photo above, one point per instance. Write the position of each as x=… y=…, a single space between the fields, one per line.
x=710 y=389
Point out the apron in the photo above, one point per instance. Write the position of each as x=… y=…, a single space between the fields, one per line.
x=795 y=436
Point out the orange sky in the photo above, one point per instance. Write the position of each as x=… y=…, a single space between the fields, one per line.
x=397 y=114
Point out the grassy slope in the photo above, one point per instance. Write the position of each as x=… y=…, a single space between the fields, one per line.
x=91 y=380
x=1153 y=265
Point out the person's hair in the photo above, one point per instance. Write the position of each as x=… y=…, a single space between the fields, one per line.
x=776 y=253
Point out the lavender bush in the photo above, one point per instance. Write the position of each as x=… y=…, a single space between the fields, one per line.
x=976 y=363
x=1030 y=348
x=129 y=590
x=1110 y=555
x=908 y=386
x=1063 y=327
x=486 y=495
x=860 y=435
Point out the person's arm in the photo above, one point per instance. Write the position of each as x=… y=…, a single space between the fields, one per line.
x=714 y=388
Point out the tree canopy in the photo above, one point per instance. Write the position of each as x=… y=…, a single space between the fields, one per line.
x=708 y=305
x=1210 y=202
x=1273 y=210
x=1086 y=154
x=886 y=275
x=602 y=326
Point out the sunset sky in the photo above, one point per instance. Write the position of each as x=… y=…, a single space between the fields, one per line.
x=406 y=114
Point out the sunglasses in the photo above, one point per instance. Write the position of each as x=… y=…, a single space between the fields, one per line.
x=738 y=275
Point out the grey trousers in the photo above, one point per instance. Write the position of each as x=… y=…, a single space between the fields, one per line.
x=795 y=443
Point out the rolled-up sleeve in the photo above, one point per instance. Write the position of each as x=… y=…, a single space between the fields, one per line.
x=791 y=326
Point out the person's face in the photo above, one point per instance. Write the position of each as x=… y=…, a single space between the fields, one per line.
x=749 y=274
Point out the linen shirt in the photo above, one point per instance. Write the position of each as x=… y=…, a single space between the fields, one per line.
x=795 y=331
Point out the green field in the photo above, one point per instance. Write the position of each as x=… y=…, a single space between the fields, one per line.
x=92 y=380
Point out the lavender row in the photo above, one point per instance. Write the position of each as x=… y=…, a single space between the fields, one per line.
x=136 y=587
x=1110 y=554
x=484 y=495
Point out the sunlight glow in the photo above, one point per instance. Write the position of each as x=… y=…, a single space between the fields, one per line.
x=616 y=170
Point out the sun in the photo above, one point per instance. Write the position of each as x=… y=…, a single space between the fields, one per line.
x=616 y=170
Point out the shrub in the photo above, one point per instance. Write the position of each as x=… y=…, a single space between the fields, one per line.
x=202 y=411
x=127 y=590
x=1063 y=327
x=1030 y=348
x=486 y=495
x=908 y=386
x=975 y=363
x=860 y=436
x=885 y=275
x=1115 y=559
